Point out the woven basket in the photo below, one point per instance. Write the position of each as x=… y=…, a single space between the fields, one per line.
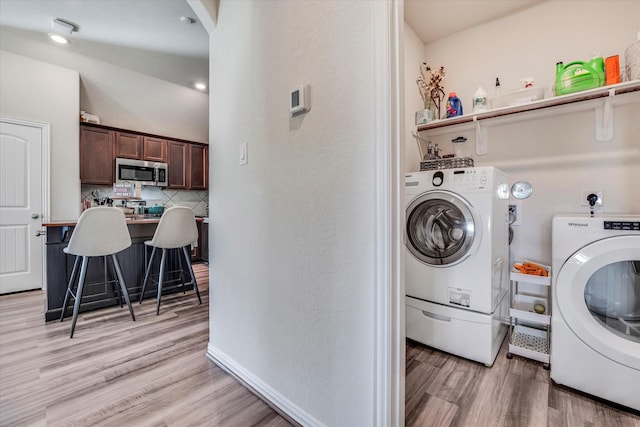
x=452 y=163
x=632 y=61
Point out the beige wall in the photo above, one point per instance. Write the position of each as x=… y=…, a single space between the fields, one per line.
x=37 y=91
x=292 y=256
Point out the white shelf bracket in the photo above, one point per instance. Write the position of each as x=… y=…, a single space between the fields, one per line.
x=481 y=141
x=604 y=119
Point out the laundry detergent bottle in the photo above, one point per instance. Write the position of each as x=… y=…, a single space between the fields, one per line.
x=577 y=76
x=454 y=105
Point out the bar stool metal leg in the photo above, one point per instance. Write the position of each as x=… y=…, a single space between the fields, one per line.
x=115 y=286
x=184 y=285
x=193 y=277
x=76 y=305
x=123 y=286
x=74 y=271
x=146 y=276
x=162 y=260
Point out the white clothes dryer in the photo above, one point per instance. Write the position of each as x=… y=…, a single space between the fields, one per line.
x=457 y=256
x=595 y=320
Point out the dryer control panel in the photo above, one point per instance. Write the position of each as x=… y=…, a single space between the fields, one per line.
x=622 y=225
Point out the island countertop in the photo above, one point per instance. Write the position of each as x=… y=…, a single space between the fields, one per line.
x=138 y=219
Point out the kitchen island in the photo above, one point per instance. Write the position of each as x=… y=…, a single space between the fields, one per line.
x=99 y=288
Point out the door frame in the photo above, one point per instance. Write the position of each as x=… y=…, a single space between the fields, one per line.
x=389 y=216
x=45 y=129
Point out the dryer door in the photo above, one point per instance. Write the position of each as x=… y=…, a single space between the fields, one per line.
x=597 y=292
x=440 y=228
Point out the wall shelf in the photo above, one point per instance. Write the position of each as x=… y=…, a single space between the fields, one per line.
x=578 y=97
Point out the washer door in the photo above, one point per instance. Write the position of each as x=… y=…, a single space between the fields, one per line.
x=597 y=292
x=440 y=228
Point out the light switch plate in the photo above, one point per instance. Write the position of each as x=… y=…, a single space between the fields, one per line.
x=244 y=153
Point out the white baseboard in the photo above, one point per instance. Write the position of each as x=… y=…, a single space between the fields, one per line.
x=278 y=402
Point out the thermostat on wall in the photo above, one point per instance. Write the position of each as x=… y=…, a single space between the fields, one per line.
x=299 y=102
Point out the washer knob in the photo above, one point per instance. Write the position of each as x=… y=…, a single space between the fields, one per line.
x=438 y=179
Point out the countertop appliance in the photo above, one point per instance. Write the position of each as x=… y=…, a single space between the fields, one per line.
x=457 y=262
x=147 y=173
x=595 y=321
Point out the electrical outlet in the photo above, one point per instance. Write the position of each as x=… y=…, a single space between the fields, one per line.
x=515 y=213
x=585 y=193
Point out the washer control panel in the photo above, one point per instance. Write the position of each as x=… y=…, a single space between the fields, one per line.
x=622 y=225
x=470 y=179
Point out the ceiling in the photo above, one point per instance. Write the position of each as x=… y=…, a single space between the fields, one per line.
x=141 y=34
x=122 y=31
x=435 y=19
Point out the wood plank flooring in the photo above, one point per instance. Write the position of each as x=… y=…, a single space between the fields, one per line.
x=153 y=372
x=116 y=372
x=443 y=390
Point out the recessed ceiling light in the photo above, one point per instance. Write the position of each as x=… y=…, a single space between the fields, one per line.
x=200 y=85
x=58 y=38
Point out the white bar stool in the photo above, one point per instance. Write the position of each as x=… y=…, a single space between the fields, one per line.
x=100 y=232
x=177 y=229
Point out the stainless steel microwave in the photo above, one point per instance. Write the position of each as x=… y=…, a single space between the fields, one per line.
x=148 y=173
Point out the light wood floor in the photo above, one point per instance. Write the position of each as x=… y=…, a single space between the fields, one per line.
x=153 y=372
x=116 y=372
x=444 y=390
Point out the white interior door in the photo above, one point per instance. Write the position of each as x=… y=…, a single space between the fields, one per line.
x=21 y=207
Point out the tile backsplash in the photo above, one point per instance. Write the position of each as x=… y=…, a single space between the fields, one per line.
x=196 y=200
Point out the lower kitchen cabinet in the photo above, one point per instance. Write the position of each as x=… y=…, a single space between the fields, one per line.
x=204 y=242
x=99 y=285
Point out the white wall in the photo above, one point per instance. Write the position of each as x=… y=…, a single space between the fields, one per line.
x=413 y=58
x=559 y=154
x=121 y=97
x=291 y=277
x=37 y=91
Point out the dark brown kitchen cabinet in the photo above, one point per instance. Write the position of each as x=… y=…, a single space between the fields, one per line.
x=154 y=149
x=198 y=160
x=128 y=145
x=96 y=156
x=187 y=162
x=178 y=166
x=204 y=242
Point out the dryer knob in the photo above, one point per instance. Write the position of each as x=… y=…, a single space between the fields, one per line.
x=437 y=179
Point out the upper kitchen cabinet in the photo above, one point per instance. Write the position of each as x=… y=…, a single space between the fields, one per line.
x=128 y=145
x=96 y=156
x=154 y=149
x=139 y=147
x=178 y=165
x=100 y=145
x=188 y=166
x=198 y=161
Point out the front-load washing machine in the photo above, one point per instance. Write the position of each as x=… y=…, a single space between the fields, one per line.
x=457 y=260
x=595 y=321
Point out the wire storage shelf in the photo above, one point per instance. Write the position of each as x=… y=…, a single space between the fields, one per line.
x=450 y=163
